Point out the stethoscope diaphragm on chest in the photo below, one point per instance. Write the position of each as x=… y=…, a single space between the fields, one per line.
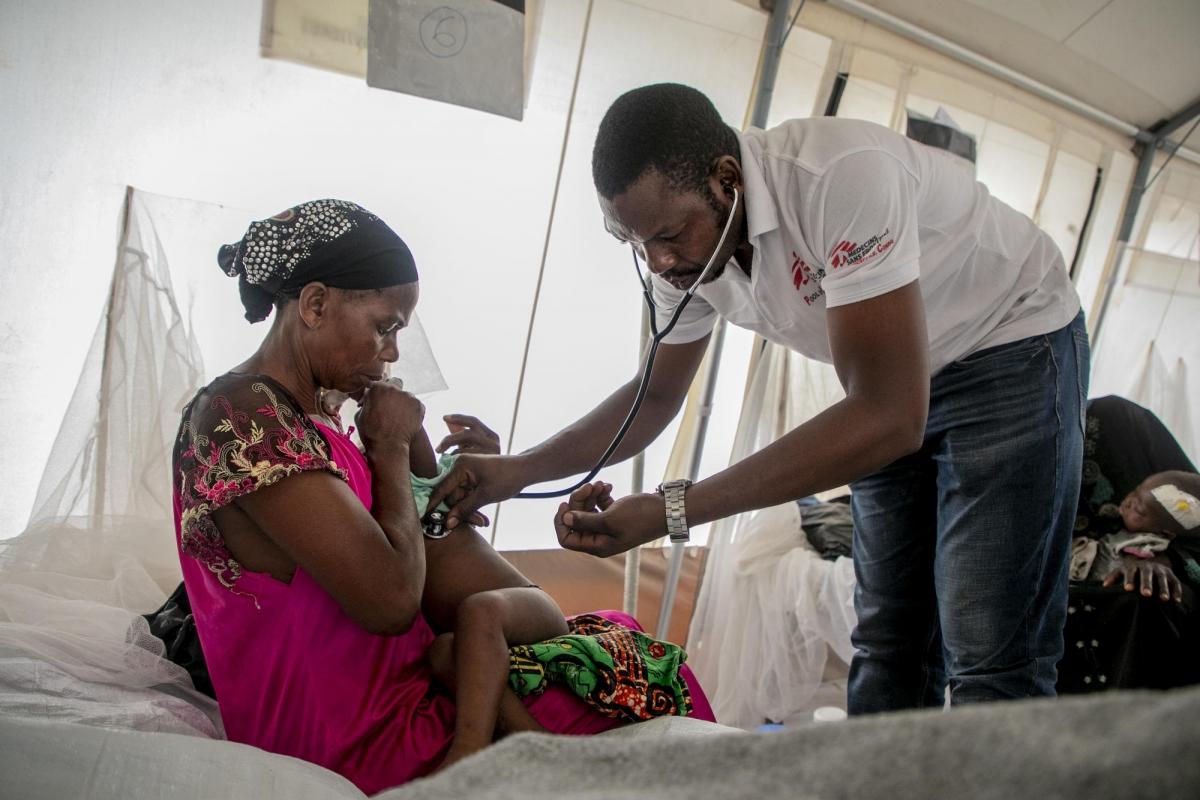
x=434 y=525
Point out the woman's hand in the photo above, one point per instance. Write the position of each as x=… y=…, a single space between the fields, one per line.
x=469 y=435
x=388 y=416
x=1151 y=573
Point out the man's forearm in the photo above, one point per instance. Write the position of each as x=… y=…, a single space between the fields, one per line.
x=841 y=444
x=576 y=448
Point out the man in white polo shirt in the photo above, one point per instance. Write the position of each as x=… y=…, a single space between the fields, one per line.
x=955 y=331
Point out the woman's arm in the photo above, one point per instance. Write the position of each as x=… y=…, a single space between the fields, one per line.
x=372 y=563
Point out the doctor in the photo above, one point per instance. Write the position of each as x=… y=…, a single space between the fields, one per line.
x=955 y=331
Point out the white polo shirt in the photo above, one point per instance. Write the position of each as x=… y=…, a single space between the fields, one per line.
x=840 y=211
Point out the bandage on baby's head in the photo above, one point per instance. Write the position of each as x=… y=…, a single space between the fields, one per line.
x=1183 y=507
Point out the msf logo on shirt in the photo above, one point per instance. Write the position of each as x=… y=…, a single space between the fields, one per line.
x=805 y=278
x=852 y=253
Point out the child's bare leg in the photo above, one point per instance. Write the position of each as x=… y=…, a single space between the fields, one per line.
x=480 y=669
x=515 y=717
x=441 y=660
x=485 y=626
x=468 y=584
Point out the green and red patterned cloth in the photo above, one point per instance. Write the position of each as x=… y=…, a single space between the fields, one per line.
x=621 y=672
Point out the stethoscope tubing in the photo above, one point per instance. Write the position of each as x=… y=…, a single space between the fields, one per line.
x=648 y=370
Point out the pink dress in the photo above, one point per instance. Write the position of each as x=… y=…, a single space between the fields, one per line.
x=292 y=672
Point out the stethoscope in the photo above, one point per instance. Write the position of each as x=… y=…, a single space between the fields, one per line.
x=644 y=384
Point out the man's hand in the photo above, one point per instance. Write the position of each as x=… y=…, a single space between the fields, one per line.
x=592 y=522
x=469 y=435
x=1150 y=572
x=476 y=481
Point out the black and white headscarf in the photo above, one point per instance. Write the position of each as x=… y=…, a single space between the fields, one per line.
x=336 y=242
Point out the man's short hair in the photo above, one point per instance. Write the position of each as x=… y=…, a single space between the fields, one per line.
x=667 y=127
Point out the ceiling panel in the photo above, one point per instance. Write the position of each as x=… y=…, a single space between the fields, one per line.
x=1137 y=60
x=1056 y=19
x=1151 y=44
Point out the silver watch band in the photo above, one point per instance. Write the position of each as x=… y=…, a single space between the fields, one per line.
x=673 y=497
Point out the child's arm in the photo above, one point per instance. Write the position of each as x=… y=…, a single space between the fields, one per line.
x=422 y=459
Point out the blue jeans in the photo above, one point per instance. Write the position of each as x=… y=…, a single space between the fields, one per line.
x=962 y=549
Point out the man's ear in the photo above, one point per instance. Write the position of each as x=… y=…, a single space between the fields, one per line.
x=726 y=175
x=314 y=303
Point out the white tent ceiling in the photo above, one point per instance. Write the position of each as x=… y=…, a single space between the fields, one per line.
x=1133 y=59
x=83 y=119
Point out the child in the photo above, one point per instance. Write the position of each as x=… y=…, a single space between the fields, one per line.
x=474 y=599
x=481 y=607
x=1161 y=509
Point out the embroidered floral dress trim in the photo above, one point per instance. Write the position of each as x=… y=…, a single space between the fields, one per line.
x=218 y=463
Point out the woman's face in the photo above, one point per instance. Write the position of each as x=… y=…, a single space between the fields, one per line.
x=357 y=338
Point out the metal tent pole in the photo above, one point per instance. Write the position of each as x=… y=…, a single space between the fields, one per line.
x=102 y=432
x=633 y=558
x=1151 y=140
x=776 y=34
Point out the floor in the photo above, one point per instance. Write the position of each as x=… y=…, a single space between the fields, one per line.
x=831 y=694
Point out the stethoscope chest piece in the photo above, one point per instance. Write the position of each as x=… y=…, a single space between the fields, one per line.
x=434 y=526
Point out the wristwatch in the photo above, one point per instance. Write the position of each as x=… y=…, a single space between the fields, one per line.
x=677 y=525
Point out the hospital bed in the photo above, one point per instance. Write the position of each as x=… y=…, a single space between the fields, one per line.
x=1110 y=746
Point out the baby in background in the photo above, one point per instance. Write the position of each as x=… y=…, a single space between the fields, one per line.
x=1161 y=508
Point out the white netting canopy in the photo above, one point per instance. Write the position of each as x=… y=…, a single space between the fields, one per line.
x=99 y=550
x=770 y=609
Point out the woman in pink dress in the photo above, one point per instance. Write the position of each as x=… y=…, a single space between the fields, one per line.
x=303 y=556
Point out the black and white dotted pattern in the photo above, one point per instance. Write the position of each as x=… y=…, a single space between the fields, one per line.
x=273 y=247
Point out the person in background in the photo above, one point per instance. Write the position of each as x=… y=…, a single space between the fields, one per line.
x=1136 y=557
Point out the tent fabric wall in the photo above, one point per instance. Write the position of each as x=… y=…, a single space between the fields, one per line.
x=222 y=125
x=1149 y=346
x=585 y=336
x=469 y=192
x=1098 y=245
x=858 y=34
x=185 y=107
x=589 y=302
x=173 y=97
